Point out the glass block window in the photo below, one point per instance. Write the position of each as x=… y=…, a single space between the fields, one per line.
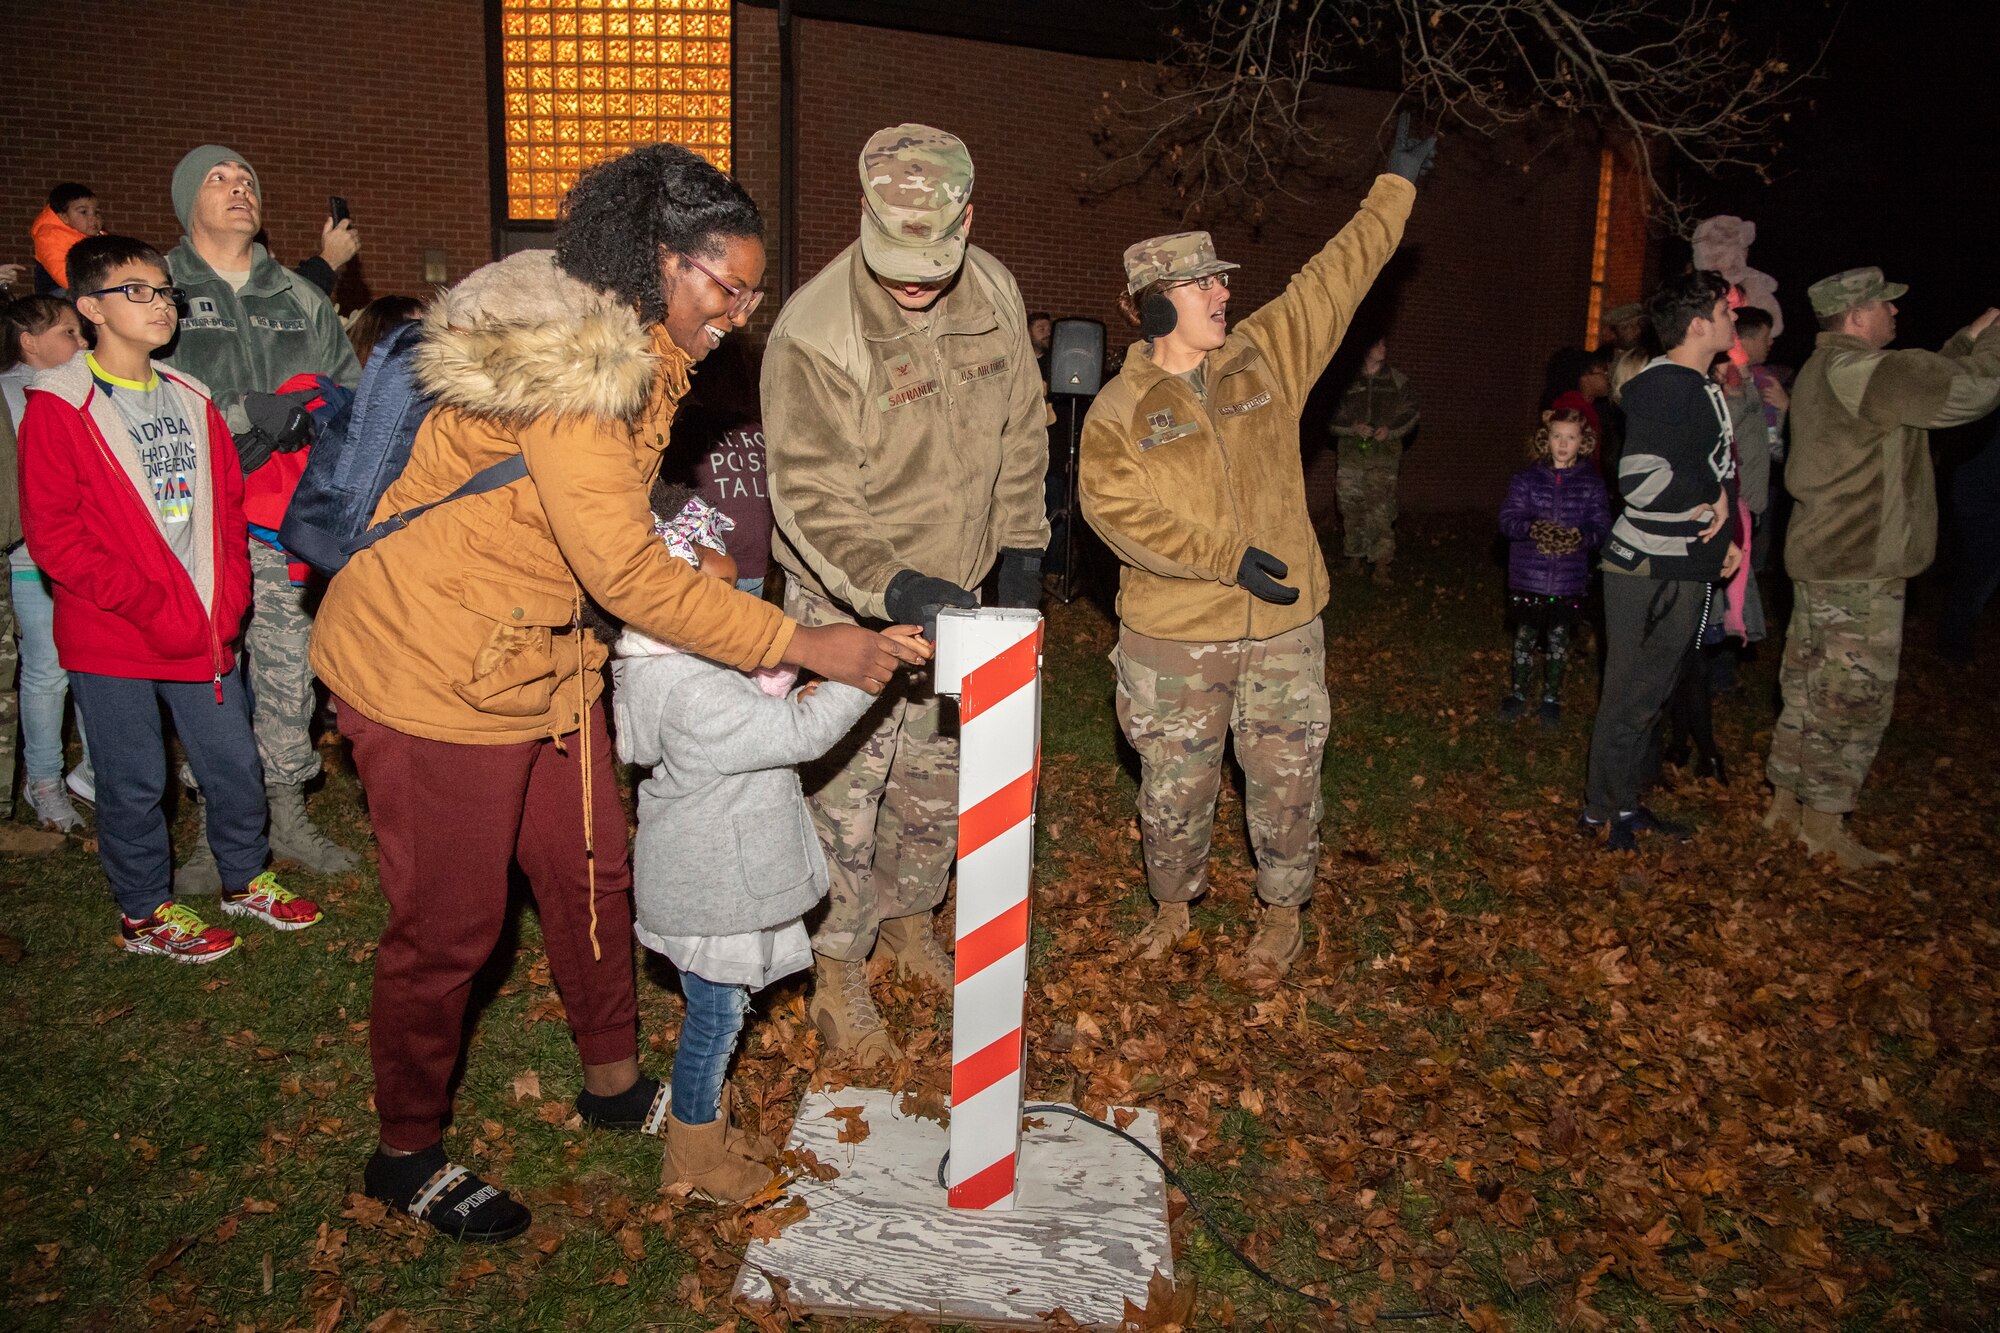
x=583 y=80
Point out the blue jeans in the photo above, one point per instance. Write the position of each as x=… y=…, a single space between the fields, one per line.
x=132 y=840
x=44 y=684
x=708 y=1038
x=755 y=587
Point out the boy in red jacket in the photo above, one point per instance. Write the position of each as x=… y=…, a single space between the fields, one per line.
x=132 y=502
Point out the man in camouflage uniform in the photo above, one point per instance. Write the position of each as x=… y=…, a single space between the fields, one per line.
x=1859 y=470
x=248 y=327
x=1375 y=417
x=903 y=423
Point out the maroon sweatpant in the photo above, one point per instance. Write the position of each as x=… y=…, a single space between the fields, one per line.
x=449 y=819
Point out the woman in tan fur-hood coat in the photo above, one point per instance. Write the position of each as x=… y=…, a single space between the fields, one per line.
x=463 y=679
x=457 y=628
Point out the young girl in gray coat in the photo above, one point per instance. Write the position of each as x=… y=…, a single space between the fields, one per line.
x=726 y=862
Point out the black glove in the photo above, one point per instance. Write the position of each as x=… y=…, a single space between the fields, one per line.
x=1410 y=157
x=281 y=419
x=1020 y=577
x=1260 y=572
x=253 y=450
x=916 y=599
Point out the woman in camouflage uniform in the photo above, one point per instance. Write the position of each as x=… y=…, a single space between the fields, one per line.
x=1190 y=472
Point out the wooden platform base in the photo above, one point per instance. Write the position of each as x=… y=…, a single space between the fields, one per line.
x=1088 y=1230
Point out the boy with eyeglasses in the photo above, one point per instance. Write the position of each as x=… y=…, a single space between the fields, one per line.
x=132 y=504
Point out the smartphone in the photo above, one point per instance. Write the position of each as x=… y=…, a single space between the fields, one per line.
x=336 y=208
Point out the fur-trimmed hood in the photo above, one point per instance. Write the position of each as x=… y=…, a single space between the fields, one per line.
x=521 y=339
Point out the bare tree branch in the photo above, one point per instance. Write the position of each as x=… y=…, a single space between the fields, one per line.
x=1230 y=119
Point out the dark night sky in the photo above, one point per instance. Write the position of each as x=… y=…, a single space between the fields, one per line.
x=1893 y=165
x=1888 y=164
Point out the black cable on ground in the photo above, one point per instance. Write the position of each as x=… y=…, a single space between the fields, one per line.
x=1250 y=1265
x=1215 y=1232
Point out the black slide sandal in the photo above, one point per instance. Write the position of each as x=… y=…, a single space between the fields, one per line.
x=451 y=1198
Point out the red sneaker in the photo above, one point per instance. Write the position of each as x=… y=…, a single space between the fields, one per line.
x=175 y=932
x=273 y=904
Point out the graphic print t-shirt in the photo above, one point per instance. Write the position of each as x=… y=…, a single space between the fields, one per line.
x=168 y=449
x=730 y=476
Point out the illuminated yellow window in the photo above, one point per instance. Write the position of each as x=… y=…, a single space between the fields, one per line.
x=580 y=47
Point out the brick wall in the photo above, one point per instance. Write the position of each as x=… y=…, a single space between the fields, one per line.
x=383 y=101
x=1630 y=257
x=1493 y=278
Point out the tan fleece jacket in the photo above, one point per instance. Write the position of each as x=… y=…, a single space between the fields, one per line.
x=897 y=443
x=1180 y=488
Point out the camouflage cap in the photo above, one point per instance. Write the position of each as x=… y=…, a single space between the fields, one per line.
x=1172 y=258
x=1856 y=286
x=1628 y=313
x=915 y=185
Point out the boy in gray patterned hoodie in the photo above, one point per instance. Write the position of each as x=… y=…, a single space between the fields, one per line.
x=726 y=862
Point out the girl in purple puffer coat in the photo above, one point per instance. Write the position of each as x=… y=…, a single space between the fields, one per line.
x=1555 y=515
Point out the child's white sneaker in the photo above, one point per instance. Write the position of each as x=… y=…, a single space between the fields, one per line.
x=51 y=805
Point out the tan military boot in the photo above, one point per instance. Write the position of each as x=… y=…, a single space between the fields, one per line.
x=845 y=1014
x=1825 y=834
x=1783 y=816
x=1276 y=946
x=1168 y=927
x=704 y=1158
x=912 y=945
x=1382 y=575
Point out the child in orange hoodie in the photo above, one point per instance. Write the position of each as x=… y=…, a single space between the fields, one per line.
x=72 y=214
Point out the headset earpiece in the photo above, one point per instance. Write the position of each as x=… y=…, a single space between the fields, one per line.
x=1157 y=316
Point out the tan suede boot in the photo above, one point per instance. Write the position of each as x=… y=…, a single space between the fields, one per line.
x=912 y=944
x=1825 y=834
x=740 y=1140
x=702 y=1158
x=1169 y=926
x=1277 y=944
x=845 y=1014
x=1783 y=816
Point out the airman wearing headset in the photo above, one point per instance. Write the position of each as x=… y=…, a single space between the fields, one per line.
x=1190 y=471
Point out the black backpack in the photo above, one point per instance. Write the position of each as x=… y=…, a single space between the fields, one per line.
x=357 y=455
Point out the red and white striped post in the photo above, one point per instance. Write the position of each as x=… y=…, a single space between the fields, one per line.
x=992 y=660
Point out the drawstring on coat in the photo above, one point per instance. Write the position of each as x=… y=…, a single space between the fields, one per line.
x=589 y=801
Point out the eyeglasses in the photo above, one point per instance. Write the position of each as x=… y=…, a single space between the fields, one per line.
x=140 y=293
x=1206 y=282
x=743 y=301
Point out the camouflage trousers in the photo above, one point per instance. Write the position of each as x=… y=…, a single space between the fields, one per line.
x=10 y=698
x=1177 y=703
x=1367 y=487
x=884 y=801
x=1842 y=654
x=281 y=679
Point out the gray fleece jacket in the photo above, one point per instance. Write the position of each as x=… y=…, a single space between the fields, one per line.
x=725 y=845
